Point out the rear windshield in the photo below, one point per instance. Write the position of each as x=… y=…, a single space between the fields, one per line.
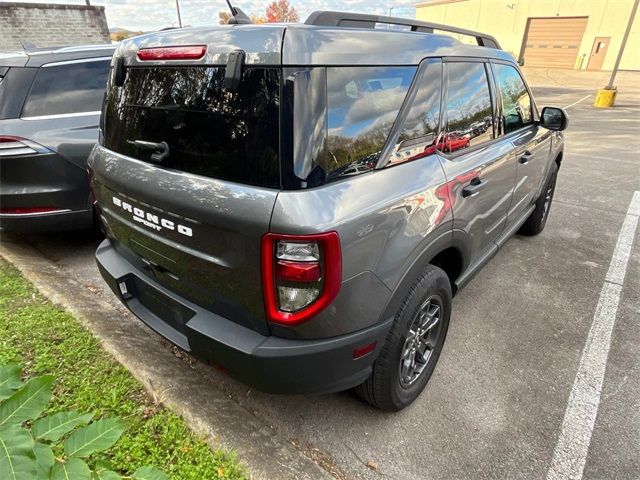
x=210 y=131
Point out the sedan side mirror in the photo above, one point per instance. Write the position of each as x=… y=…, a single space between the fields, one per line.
x=553 y=118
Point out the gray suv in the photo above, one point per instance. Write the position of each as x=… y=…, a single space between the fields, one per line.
x=50 y=102
x=299 y=203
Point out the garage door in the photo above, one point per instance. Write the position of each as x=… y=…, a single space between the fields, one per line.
x=553 y=42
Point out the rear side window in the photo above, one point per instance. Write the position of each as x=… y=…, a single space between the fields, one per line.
x=516 y=102
x=468 y=107
x=209 y=130
x=362 y=105
x=417 y=138
x=68 y=88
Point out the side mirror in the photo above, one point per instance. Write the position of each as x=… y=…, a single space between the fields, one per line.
x=553 y=118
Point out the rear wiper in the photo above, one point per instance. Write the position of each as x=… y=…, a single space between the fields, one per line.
x=161 y=149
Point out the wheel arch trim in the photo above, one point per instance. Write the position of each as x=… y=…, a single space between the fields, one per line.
x=456 y=239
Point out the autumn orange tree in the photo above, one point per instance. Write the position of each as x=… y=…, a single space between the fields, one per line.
x=281 y=11
x=224 y=17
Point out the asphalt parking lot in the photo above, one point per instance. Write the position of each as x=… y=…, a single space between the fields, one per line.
x=496 y=404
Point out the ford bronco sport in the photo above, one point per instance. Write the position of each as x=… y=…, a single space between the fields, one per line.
x=299 y=203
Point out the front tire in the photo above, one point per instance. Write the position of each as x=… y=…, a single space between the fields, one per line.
x=538 y=218
x=413 y=345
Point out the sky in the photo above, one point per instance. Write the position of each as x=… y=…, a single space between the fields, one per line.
x=149 y=15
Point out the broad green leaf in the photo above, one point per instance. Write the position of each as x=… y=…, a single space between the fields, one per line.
x=52 y=427
x=95 y=437
x=10 y=379
x=149 y=473
x=17 y=460
x=102 y=464
x=28 y=402
x=72 y=469
x=44 y=460
x=103 y=474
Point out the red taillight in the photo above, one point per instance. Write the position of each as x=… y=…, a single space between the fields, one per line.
x=298 y=271
x=11 y=146
x=186 y=52
x=28 y=210
x=301 y=275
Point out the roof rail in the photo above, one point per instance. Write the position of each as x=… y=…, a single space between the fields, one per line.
x=361 y=20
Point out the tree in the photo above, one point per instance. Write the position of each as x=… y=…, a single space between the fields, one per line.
x=281 y=11
x=224 y=17
x=123 y=35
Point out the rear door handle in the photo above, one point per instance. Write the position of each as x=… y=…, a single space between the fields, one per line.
x=474 y=187
x=525 y=157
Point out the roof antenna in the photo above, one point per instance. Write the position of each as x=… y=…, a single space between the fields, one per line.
x=238 y=17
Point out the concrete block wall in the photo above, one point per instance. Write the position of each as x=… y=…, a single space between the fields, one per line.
x=47 y=25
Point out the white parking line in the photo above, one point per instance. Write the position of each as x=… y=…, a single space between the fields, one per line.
x=570 y=454
x=579 y=101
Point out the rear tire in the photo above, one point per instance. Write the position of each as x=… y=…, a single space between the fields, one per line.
x=420 y=325
x=538 y=218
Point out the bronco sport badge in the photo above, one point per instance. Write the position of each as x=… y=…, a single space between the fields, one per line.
x=151 y=220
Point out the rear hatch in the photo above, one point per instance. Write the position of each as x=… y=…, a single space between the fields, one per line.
x=194 y=217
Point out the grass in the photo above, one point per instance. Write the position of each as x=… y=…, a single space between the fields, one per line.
x=47 y=339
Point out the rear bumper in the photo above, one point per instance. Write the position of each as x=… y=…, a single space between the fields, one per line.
x=44 y=181
x=47 y=222
x=268 y=363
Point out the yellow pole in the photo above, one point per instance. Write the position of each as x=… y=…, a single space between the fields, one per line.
x=606 y=96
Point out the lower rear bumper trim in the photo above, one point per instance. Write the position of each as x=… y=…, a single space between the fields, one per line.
x=268 y=363
x=57 y=221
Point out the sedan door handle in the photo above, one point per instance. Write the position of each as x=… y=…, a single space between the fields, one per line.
x=474 y=187
x=525 y=157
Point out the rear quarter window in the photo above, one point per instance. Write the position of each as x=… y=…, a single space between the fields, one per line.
x=67 y=88
x=341 y=120
x=362 y=105
x=418 y=135
x=14 y=87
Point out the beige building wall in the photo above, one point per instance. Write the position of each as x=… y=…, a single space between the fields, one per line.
x=507 y=21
